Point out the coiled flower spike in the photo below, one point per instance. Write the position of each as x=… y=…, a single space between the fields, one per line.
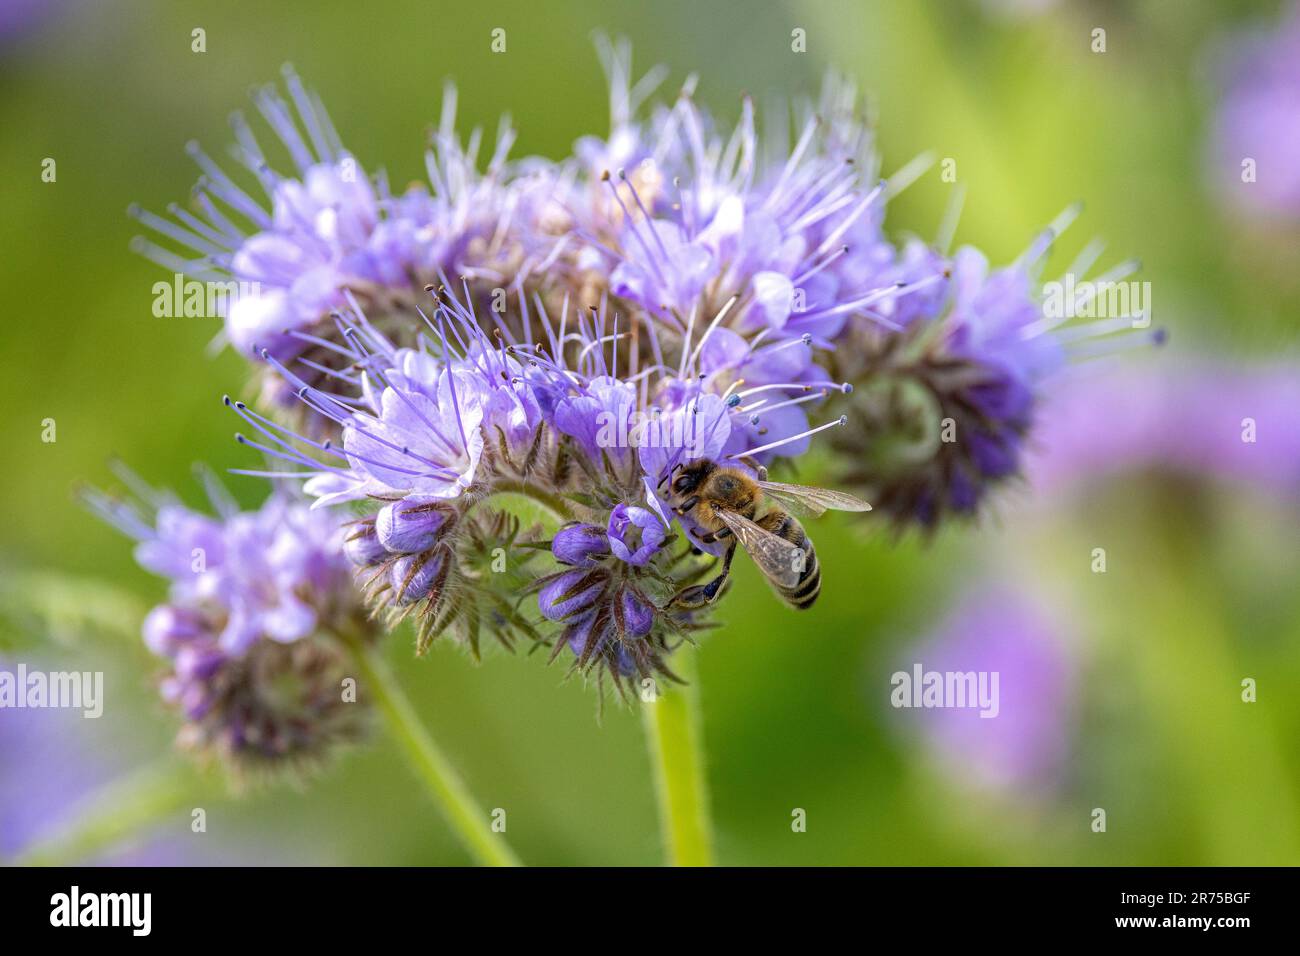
x=944 y=407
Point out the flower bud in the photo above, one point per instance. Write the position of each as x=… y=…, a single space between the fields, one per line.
x=919 y=473
x=591 y=638
x=578 y=633
x=995 y=454
x=580 y=544
x=414 y=576
x=409 y=527
x=636 y=614
x=963 y=495
x=363 y=547
x=624 y=660
x=571 y=593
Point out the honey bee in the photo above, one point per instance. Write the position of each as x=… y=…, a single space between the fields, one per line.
x=725 y=502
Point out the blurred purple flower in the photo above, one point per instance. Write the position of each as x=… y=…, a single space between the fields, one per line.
x=996 y=628
x=968 y=380
x=1235 y=423
x=51 y=761
x=1258 y=120
x=250 y=634
x=20 y=18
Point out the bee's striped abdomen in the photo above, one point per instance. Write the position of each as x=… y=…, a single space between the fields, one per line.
x=810 y=582
x=803 y=594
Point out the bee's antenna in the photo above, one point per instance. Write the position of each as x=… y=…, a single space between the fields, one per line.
x=759 y=470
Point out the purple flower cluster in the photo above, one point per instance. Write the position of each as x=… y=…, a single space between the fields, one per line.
x=329 y=230
x=944 y=406
x=578 y=330
x=250 y=632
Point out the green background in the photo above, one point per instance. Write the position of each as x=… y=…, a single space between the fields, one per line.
x=796 y=707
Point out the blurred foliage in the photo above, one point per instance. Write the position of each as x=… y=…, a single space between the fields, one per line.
x=795 y=706
x=39 y=606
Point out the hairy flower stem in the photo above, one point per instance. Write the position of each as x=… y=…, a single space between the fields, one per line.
x=127 y=806
x=557 y=506
x=675 y=740
x=466 y=819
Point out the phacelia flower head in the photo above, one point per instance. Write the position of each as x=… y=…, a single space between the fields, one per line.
x=579 y=333
x=735 y=261
x=327 y=233
x=562 y=411
x=942 y=408
x=603 y=603
x=251 y=633
x=684 y=216
x=613 y=594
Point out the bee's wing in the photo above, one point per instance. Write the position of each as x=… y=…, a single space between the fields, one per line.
x=780 y=560
x=815 y=500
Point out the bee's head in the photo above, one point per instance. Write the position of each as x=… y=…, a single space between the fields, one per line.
x=691 y=476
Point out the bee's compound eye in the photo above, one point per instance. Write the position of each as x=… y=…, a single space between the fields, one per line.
x=726 y=485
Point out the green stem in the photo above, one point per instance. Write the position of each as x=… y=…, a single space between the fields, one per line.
x=466 y=819
x=675 y=739
x=556 y=505
x=129 y=805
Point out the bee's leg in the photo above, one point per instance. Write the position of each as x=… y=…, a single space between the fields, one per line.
x=715 y=586
x=698 y=595
x=688 y=504
x=688 y=599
